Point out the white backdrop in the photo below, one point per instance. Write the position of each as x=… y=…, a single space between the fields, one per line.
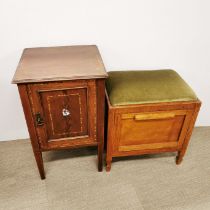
x=131 y=34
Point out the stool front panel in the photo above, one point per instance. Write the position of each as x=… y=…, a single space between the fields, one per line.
x=150 y=130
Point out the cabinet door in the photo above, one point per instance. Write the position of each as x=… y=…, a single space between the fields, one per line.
x=151 y=130
x=64 y=112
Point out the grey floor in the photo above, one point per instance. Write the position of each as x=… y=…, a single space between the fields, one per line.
x=149 y=182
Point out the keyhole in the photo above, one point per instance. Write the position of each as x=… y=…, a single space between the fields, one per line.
x=66 y=112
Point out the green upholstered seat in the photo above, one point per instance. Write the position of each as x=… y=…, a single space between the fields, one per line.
x=140 y=87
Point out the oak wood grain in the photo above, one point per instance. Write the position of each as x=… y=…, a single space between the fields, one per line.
x=149 y=128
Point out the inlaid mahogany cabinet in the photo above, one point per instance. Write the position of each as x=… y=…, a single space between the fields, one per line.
x=62 y=90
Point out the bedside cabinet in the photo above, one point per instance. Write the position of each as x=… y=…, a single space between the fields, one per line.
x=62 y=90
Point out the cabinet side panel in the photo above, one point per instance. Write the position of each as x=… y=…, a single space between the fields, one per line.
x=28 y=115
x=31 y=128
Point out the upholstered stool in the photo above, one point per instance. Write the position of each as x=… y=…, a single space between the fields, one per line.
x=149 y=112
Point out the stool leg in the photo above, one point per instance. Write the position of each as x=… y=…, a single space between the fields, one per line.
x=179 y=158
x=108 y=165
x=109 y=139
x=109 y=152
x=182 y=152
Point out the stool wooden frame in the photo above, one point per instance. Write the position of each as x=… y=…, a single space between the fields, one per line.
x=162 y=127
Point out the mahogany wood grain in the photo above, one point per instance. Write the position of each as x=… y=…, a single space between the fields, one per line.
x=62 y=93
x=59 y=64
x=90 y=111
x=100 y=86
x=81 y=124
x=149 y=128
x=31 y=128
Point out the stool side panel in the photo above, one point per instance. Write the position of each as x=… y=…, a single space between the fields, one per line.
x=183 y=149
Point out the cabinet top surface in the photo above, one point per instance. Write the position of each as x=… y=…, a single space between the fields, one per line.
x=59 y=63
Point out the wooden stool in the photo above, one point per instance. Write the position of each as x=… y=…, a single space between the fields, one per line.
x=149 y=112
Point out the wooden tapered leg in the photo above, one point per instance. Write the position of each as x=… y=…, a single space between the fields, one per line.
x=39 y=162
x=100 y=84
x=31 y=128
x=179 y=158
x=182 y=152
x=100 y=157
x=110 y=138
x=108 y=165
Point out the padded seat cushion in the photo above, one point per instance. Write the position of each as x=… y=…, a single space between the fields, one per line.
x=140 y=87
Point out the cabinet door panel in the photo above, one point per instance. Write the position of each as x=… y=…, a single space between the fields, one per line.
x=67 y=110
